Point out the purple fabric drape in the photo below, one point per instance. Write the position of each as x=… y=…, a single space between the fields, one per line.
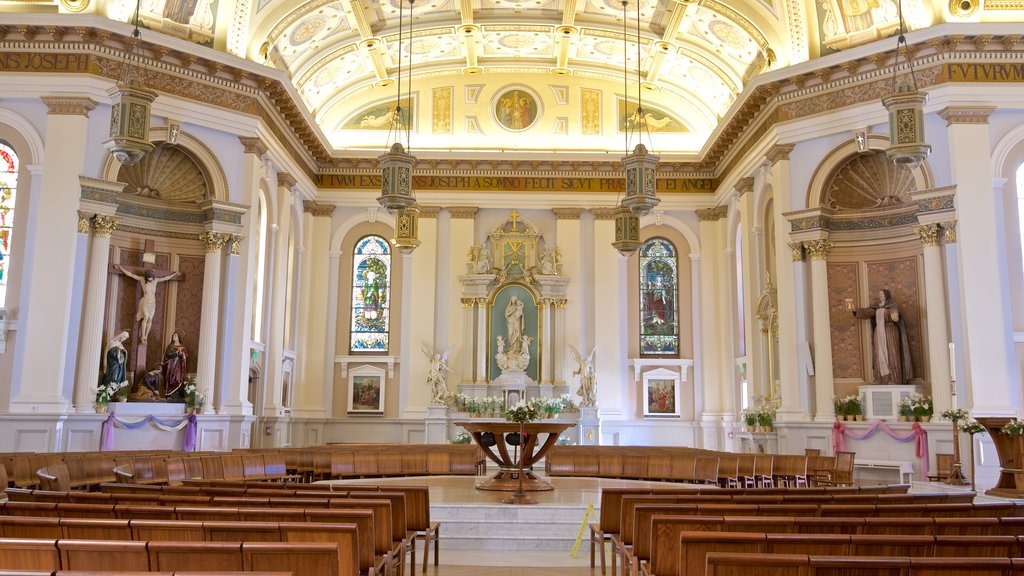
x=107 y=434
x=188 y=443
x=917 y=434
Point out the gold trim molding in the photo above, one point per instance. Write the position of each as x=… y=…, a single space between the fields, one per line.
x=64 y=106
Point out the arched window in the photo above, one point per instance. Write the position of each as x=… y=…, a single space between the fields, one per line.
x=659 y=310
x=8 y=195
x=371 y=294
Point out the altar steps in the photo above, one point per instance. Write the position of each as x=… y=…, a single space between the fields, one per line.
x=509 y=528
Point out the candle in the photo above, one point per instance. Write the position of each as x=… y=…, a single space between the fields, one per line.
x=849 y=303
x=952 y=361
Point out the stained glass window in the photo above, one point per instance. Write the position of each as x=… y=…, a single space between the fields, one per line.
x=371 y=295
x=659 y=311
x=8 y=194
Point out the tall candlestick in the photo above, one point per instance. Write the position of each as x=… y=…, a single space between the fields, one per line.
x=952 y=361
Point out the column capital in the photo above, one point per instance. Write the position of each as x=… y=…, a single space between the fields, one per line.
x=928 y=233
x=235 y=246
x=253 y=145
x=779 y=152
x=462 y=212
x=949 y=231
x=83 y=223
x=603 y=213
x=712 y=214
x=68 y=106
x=481 y=302
x=286 y=180
x=745 y=185
x=429 y=211
x=214 y=241
x=560 y=303
x=317 y=209
x=104 y=226
x=467 y=303
x=567 y=213
x=818 y=249
x=966 y=114
x=798 y=251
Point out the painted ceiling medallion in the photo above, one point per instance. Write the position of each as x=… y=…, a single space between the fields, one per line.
x=516 y=109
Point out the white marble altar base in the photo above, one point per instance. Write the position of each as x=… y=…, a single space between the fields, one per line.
x=148 y=437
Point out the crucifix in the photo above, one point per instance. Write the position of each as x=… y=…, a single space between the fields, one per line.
x=148 y=277
x=515 y=217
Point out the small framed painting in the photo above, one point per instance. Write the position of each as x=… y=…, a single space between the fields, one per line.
x=366 y=390
x=661 y=394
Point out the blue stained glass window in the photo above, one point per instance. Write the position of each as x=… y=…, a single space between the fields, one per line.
x=371 y=295
x=659 y=310
x=8 y=195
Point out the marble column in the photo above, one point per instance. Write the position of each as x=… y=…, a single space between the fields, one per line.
x=611 y=323
x=461 y=229
x=418 y=307
x=993 y=372
x=712 y=306
x=331 y=340
x=935 y=305
x=568 y=236
x=824 y=385
x=206 y=363
x=789 y=268
x=750 y=238
x=309 y=389
x=53 y=230
x=547 y=354
x=280 y=246
x=481 y=340
x=90 y=349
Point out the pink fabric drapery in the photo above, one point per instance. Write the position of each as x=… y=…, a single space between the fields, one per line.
x=917 y=434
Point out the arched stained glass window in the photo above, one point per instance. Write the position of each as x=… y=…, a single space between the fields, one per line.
x=8 y=195
x=371 y=295
x=659 y=311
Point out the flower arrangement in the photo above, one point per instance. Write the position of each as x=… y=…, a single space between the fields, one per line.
x=523 y=411
x=760 y=415
x=848 y=406
x=107 y=391
x=568 y=403
x=1013 y=428
x=193 y=397
x=917 y=405
x=749 y=416
x=972 y=427
x=462 y=438
x=955 y=415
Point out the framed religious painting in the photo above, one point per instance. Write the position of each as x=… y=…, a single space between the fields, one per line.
x=661 y=394
x=366 y=386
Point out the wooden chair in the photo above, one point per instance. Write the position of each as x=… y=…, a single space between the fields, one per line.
x=943 y=467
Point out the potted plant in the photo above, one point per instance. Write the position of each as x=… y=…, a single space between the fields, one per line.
x=764 y=419
x=839 y=405
x=854 y=408
x=194 y=399
x=916 y=406
x=462 y=438
x=750 y=419
x=522 y=412
x=1013 y=428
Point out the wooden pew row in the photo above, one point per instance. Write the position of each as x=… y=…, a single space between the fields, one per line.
x=727 y=564
x=340 y=511
x=661 y=543
x=299 y=558
x=355 y=535
x=695 y=546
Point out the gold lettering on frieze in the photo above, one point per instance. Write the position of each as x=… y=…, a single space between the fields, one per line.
x=966 y=72
x=44 y=62
x=928 y=233
x=515 y=183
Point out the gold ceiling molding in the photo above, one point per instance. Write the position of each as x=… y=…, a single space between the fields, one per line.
x=294 y=17
x=68 y=106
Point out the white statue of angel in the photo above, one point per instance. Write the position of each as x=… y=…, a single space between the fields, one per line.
x=588 y=380
x=438 y=375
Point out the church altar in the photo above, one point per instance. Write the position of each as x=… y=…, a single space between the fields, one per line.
x=149 y=436
x=507 y=478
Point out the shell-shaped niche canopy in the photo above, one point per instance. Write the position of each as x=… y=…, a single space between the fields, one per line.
x=167 y=173
x=869 y=180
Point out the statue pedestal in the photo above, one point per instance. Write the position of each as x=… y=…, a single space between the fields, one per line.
x=437 y=425
x=882 y=401
x=590 y=427
x=513 y=385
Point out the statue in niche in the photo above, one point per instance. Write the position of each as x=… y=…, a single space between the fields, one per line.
x=588 y=379
x=173 y=367
x=890 y=347
x=437 y=378
x=479 y=259
x=514 y=351
x=550 y=261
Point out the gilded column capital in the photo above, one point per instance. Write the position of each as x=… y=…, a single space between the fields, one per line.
x=467 y=303
x=928 y=233
x=603 y=213
x=779 y=152
x=462 y=212
x=429 y=211
x=966 y=114
x=560 y=303
x=481 y=302
x=83 y=223
x=253 y=145
x=236 y=245
x=712 y=214
x=286 y=180
x=949 y=232
x=64 y=106
x=567 y=213
x=798 y=251
x=317 y=209
x=818 y=249
x=104 y=226
x=214 y=241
